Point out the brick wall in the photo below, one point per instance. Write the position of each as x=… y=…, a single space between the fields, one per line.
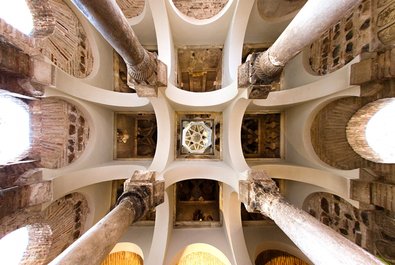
x=200 y=9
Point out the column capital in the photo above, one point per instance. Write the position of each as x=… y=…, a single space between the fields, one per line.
x=147 y=86
x=144 y=191
x=259 y=84
x=258 y=192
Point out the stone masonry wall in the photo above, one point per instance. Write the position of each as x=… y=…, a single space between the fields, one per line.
x=200 y=9
x=366 y=28
x=51 y=230
x=68 y=47
x=60 y=131
x=131 y=8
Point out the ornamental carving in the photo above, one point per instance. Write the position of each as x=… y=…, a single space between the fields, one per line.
x=196 y=137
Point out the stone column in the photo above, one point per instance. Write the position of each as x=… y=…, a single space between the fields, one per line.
x=312 y=20
x=141 y=193
x=318 y=242
x=145 y=72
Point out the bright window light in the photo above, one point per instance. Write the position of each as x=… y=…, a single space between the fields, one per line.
x=14 y=129
x=13 y=246
x=17 y=14
x=380 y=133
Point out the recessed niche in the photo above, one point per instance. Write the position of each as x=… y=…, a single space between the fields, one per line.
x=199 y=69
x=197 y=203
x=198 y=135
x=261 y=135
x=135 y=135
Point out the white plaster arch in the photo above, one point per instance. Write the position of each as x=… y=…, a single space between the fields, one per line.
x=74 y=87
x=164 y=36
x=200 y=22
x=67 y=183
x=233 y=46
x=215 y=170
x=203 y=33
x=164 y=152
x=233 y=118
x=336 y=184
x=162 y=233
x=233 y=225
x=299 y=149
x=202 y=99
x=129 y=247
x=321 y=87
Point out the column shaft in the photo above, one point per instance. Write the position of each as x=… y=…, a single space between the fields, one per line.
x=93 y=246
x=313 y=19
x=109 y=20
x=318 y=242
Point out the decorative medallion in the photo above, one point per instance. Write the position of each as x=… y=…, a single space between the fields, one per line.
x=196 y=137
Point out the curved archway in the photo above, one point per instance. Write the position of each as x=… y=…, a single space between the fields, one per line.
x=123 y=258
x=14 y=129
x=27 y=245
x=18 y=14
x=370 y=131
x=68 y=47
x=328 y=133
x=200 y=254
x=277 y=257
x=66 y=216
x=62 y=133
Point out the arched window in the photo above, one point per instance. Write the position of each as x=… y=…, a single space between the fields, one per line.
x=380 y=132
x=28 y=245
x=17 y=14
x=14 y=129
x=371 y=131
x=14 y=245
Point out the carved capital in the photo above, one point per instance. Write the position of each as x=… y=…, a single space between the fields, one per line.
x=258 y=82
x=147 y=76
x=258 y=192
x=144 y=191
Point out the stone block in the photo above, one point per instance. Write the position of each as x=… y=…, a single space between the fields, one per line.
x=41 y=72
x=255 y=191
x=362 y=72
x=383 y=195
x=21 y=197
x=360 y=191
x=146 y=181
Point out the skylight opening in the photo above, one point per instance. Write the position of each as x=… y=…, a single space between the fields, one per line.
x=17 y=14
x=380 y=133
x=14 y=245
x=14 y=129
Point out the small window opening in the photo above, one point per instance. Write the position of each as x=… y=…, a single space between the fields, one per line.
x=380 y=133
x=17 y=14
x=14 y=129
x=14 y=245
